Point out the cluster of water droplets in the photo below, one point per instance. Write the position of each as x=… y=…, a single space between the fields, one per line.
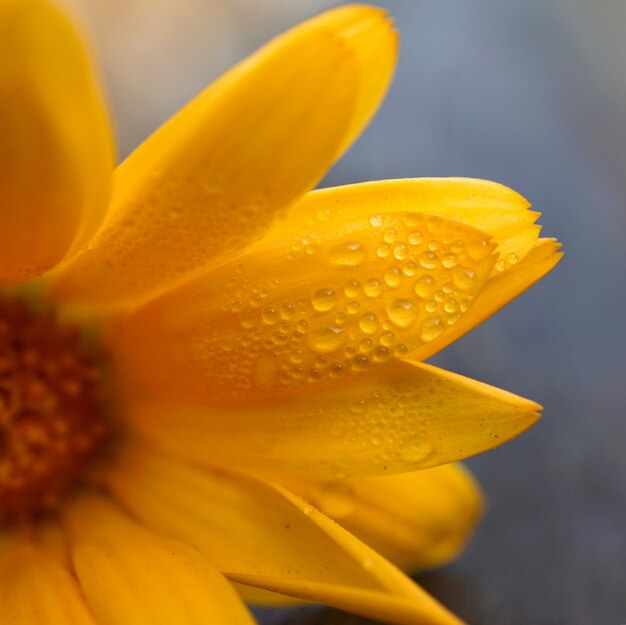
x=372 y=298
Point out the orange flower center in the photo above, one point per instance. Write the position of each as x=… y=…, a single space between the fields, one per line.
x=50 y=410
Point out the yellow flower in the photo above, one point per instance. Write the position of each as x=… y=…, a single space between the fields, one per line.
x=251 y=353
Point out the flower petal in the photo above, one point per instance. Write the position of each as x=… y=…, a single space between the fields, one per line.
x=398 y=417
x=416 y=520
x=261 y=535
x=498 y=292
x=56 y=154
x=132 y=575
x=487 y=206
x=35 y=588
x=215 y=177
x=306 y=306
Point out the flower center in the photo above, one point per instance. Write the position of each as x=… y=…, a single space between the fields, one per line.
x=50 y=410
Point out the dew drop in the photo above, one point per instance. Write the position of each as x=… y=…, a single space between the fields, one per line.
x=512 y=258
x=464 y=278
x=393 y=277
x=269 y=316
x=352 y=288
x=380 y=354
x=360 y=362
x=416 y=452
x=353 y=307
x=287 y=311
x=327 y=339
x=409 y=269
x=348 y=254
x=449 y=261
x=297 y=356
x=366 y=346
x=415 y=237
x=402 y=313
x=390 y=235
x=428 y=260
x=368 y=323
x=457 y=246
x=431 y=328
x=376 y=220
x=383 y=250
x=400 y=350
x=479 y=250
x=400 y=251
x=248 y=319
x=324 y=300
x=387 y=339
x=373 y=288
x=451 y=306
x=424 y=286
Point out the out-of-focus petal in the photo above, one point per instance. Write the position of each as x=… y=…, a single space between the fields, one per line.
x=132 y=575
x=416 y=520
x=498 y=292
x=261 y=535
x=398 y=417
x=36 y=588
x=56 y=153
x=215 y=177
x=306 y=305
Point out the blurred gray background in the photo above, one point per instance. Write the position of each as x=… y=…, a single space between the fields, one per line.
x=531 y=94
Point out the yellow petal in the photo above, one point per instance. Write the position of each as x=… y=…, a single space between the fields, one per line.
x=498 y=292
x=132 y=575
x=306 y=306
x=416 y=520
x=215 y=177
x=487 y=206
x=261 y=535
x=399 y=417
x=56 y=154
x=35 y=588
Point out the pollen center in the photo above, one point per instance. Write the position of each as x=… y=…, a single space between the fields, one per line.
x=50 y=410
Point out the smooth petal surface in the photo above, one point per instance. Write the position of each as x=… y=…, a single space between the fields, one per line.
x=306 y=305
x=262 y=535
x=498 y=292
x=398 y=417
x=132 y=575
x=215 y=177
x=56 y=154
x=35 y=589
x=416 y=520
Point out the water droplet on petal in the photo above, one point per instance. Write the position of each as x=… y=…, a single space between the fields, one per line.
x=431 y=328
x=324 y=300
x=373 y=288
x=428 y=260
x=464 y=278
x=402 y=313
x=348 y=254
x=368 y=323
x=327 y=339
x=376 y=220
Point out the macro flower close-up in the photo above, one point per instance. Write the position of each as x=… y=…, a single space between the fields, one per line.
x=213 y=386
